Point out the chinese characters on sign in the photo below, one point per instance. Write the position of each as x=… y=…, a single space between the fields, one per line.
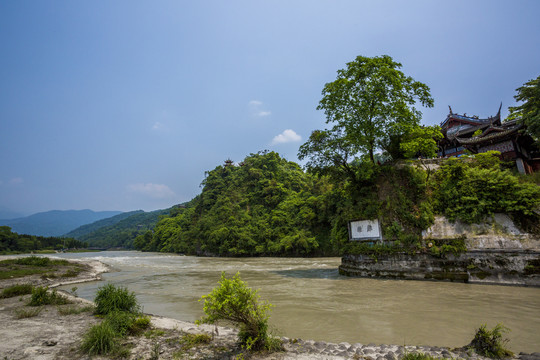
x=364 y=230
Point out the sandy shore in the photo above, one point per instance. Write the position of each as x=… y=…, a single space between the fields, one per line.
x=53 y=334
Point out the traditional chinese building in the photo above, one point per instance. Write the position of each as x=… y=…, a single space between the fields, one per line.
x=470 y=133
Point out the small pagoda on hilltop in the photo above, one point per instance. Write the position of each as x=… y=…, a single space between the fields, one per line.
x=470 y=133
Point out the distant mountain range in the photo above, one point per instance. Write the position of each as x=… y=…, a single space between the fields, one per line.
x=83 y=231
x=55 y=222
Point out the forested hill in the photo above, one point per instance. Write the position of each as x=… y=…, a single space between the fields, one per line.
x=122 y=233
x=268 y=206
x=89 y=228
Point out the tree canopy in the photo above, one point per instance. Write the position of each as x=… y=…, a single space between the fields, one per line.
x=529 y=111
x=370 y=100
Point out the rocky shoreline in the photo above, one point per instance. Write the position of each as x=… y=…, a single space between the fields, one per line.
x=54 y=335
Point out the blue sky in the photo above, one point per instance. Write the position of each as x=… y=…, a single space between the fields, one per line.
x=123 y=105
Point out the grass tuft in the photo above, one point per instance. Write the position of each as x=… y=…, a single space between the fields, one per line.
x=16 y=290
x=110 y=298
x=99 y=339
x=74 y=310
x=24 y=313
x=41 y=296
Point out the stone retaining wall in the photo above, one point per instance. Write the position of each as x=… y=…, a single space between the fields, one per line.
x=500 y=266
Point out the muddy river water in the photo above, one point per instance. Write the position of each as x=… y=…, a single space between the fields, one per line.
x=312 y=301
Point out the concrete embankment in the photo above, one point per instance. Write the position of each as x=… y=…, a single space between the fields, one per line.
x=499 y=267
x=498 y=253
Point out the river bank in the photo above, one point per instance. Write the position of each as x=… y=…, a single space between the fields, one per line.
x=55 y=333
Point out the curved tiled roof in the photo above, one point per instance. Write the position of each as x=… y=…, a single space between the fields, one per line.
x=494 y=132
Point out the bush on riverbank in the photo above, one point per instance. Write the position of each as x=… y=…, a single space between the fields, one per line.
x=100 y=339
x=235 y=302
x=110 y=298
x=122 y=317
x=491 y=343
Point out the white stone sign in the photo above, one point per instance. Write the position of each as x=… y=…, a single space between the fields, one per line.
x=364 y=230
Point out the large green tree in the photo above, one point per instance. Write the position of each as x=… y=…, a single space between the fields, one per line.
x=529 y=110
x=370 y=100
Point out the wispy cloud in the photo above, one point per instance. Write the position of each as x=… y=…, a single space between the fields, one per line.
x=155 y=191
x=286 y=136
x=256 y=108
x=157 y=126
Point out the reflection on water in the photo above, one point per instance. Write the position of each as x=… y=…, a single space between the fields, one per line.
x=312 y=301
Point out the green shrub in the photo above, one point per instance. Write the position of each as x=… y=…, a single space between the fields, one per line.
x=490 y=343
x=41 y=296
x=110 y=298
x=235 y=302
x=99 y=339
x=16 y=290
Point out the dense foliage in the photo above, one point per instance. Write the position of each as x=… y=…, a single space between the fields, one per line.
x=265 y=206
x=529 y=110
x=470 y=189
x=11 y=242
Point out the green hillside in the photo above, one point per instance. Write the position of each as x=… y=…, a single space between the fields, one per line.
x=90 y=228
x=123 y=232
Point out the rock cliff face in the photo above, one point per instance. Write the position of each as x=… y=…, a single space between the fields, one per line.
x=498 y=253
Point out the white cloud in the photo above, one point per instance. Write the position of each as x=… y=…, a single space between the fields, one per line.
x=155 y=191
x=286 y=136
x=157 y=126
x=256 y=109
